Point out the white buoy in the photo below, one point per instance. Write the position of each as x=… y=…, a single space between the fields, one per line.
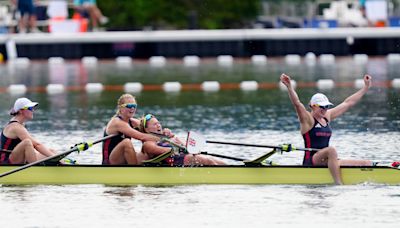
x=20 y=62
x=55 y=88
x=396 y=83
x=249 y=85
x=359 y=83
x=157 y=61
x=89 y=61
x=282 y=87
x=292 y=59
x=94 y=87
x=259 y=60
x=310 y=58
x=17 y=89
x=393 y=58
x=56 y=60
x=172 y=86
x=210 y=86
x=360 y=58
x=225 y=60
x=133 y=87
x=327 y=59
x=123 y=61
x=324 y=84
x=191 y=61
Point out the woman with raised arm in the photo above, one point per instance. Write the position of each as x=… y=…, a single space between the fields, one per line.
x=316 y=131
x=16 y=138
x=150 y=124
x=119 y=150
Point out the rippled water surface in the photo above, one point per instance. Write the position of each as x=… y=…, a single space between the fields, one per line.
x=369 y=130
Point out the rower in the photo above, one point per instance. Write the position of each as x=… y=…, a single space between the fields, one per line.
x=16 y=138
x=150 y=124
x=119 y=150
x=316 y=130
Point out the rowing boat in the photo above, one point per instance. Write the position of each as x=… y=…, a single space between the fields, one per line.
x=163 y=175
x=153 y=172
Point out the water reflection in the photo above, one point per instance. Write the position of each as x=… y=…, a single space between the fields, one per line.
x=121 y=193
x=318 y=197
x=369 y=130
x=229 y=111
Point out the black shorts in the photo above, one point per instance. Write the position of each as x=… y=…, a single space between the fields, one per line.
x=175 y=160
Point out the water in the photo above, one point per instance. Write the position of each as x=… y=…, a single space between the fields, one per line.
x=369 y=130
x=200 y=206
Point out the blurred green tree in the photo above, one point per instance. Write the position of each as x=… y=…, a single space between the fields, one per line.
x=179 y=14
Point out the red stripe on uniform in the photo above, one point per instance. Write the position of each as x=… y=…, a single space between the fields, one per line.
x=308 y=144
x=6 y=145
x=106 y=152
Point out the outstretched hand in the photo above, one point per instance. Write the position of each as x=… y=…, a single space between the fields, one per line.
x=367 y=80
x=285 y=79
x=167 y=132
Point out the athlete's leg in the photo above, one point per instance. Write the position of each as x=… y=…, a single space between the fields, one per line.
x=355 y=163
x=23 y=152
x=328 y=156
x=191 y=159
x=123 y=153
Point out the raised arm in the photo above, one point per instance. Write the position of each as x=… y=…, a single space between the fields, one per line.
x=351 y=100
x=302 y=113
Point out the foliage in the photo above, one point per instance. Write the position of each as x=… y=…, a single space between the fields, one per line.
x=179 y=14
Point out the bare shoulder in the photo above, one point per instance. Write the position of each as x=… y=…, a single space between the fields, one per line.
x=328 y=115
x=114 y=126
x=15 y=130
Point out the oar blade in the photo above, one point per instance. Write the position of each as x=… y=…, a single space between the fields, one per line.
x=195 y=142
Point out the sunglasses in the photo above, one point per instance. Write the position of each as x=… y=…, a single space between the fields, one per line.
x=146 y=119
x=323 y=106
x=129 y=105
x=29 y=108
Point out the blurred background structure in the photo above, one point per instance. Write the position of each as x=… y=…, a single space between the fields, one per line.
x=207 y=14
x=206 y=28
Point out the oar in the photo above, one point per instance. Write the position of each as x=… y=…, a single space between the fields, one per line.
x=284 y=147
x=223 y=156
x=79 y=147
x=262 y=160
